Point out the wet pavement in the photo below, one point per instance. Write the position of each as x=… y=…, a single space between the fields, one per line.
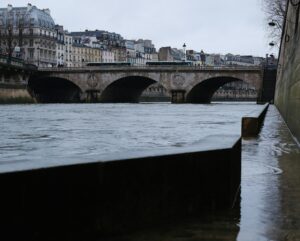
x=270 y=205
x=270 y=196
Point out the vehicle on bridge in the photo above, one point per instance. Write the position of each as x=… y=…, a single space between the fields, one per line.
x=170 y=63
x=108 y=64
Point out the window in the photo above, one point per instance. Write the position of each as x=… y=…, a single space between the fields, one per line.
x=31 y=21
x=31 y=53
x=31 y=42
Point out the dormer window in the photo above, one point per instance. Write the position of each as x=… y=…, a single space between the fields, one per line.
x=31 y=21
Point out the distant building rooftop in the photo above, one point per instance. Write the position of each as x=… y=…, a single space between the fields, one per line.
x=31 y=16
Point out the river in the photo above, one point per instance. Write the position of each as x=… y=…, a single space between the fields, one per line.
x=83 y=130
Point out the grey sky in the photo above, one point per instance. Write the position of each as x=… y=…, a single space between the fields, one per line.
x=216 y=26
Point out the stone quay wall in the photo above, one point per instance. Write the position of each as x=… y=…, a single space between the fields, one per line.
x=253 y=122
x=287 y=95
x=14 y=94
x=121 y=193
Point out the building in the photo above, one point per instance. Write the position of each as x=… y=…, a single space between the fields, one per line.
x=243 y=60
x=111 y=46
x=60 y=45
x=28 y=33
x=105 y=38
x=119 y=53
x=209 y=60
x=170 y=54
x=147 y=48
x=130 y=51
x=68 y=44
x=81 y=55
x=107 y=56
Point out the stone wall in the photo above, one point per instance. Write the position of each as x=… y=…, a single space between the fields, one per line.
x=287 y=96
x=10 y=94
x=122 y=192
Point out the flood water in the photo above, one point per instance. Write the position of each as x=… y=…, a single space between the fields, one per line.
x=83 y=130
x=270 y=188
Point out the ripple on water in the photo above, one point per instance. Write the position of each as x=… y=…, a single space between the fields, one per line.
x=108 y=128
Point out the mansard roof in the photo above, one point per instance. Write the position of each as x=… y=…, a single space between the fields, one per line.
x=29 y=16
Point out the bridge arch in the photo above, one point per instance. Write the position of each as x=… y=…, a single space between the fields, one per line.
x=54 y=90
x=126 y=89
x=203 y=91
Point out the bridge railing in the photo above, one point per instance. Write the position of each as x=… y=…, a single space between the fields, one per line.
x=166 y=67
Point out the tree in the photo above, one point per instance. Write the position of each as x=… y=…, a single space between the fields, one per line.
x=275 y=14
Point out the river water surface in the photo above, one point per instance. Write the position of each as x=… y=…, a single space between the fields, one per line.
x=82 y=130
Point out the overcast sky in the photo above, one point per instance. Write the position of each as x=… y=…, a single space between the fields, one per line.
x=216 y=26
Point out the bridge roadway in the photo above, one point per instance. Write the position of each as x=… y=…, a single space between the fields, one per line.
x=185 y=84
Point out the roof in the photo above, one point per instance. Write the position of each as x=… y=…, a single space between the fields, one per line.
x=31 y=15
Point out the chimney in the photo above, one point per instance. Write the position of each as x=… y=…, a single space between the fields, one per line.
x=29 y=6
x=47 y=11
x=9 y=7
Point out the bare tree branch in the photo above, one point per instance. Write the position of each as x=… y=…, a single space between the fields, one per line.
x=275 y=12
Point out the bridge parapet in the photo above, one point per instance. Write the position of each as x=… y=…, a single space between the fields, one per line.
x=151 y=68
x=15 y=64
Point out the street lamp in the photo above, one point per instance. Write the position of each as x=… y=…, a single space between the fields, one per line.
x=184 y=51
x=272 y=24
x=272 y=44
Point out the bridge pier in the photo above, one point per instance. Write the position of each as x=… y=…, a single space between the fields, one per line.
x=92 y=96
x=178 y=96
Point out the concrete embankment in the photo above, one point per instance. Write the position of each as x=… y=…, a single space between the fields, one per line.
x=75 y=200
x=287 y=95
x=252 y=123
x=14 y=94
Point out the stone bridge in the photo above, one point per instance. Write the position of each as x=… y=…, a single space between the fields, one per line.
x=185 y=84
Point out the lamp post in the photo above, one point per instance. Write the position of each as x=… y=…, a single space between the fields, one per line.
x=184 y=51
